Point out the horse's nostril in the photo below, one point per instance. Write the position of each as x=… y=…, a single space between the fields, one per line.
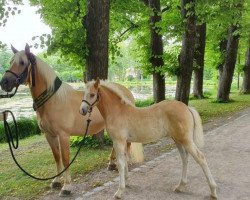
x=4 y=82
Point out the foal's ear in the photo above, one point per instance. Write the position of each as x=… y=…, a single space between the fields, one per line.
x=14 y=50
x=97 y=82
x=27 y=49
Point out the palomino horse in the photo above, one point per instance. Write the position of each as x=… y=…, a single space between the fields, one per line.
x=57 y=112
x=126 y=123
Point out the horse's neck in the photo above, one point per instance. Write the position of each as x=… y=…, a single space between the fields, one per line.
x=40 y=82
x=110 y=104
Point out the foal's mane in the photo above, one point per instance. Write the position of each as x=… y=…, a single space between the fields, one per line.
x=113 y=88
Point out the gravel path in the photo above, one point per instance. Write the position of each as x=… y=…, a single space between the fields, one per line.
x=227 y=151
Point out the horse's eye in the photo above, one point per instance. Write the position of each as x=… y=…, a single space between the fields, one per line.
x=92 y=95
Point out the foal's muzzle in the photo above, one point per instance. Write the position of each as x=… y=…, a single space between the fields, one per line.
x=84 y=109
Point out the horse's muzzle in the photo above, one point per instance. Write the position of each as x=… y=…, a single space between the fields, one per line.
x=6 y=84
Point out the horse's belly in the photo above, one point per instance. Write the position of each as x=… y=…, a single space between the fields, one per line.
x=148 y=134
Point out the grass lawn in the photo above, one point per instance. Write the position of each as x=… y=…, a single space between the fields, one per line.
x=35 y=155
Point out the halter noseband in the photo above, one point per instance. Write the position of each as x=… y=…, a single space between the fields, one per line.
x=18 y=77
x=91 y=105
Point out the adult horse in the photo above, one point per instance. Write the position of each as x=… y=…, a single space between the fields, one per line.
x=126 y=123
x=57 y=108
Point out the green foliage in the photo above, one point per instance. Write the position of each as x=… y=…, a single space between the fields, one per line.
x=26 y=126
x=90 y=142
x=144 y=103
x=68 y=34
x=5 y=57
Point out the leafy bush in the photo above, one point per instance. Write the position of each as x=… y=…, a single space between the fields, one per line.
x=90 y=142
x=26 y=126
x=144 y=103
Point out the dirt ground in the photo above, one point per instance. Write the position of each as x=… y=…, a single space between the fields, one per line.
x=226 y=149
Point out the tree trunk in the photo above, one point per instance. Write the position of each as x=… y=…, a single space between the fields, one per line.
x=227 y=72
x=156 y=52
x=97 y=28
x=199 y=58
x=246 y=78
x=223 y=49
x=187 y=51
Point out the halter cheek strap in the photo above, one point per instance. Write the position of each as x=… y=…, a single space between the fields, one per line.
x=91 y=105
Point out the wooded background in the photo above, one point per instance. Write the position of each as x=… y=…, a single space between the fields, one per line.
x=169 y=39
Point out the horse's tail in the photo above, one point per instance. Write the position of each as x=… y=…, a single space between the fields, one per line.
x=137 y=153
x=198 y=130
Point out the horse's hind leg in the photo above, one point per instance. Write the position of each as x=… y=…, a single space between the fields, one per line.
x=112 y=157
x=54 y=145
x=184 y=158
x=201 y=160
x=65 y=152
x=120 y=149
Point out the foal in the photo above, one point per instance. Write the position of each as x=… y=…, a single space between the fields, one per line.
x=126 y=123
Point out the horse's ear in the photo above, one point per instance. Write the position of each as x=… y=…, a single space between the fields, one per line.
x=27 y=49
x=14 y=50
x=97 y=82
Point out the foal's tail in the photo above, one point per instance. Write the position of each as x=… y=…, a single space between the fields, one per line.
x=137 y=153
x=198 y=130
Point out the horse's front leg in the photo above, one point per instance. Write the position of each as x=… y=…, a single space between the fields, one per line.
x=54 y=145
x=65 y=152
x=120 y=147
x=112 y=158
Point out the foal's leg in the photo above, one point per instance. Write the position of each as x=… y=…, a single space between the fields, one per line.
x=54 y=145
x=184 y=158
x=112 y=157
x=120 y=148
x=65 y=151
x=201 y=160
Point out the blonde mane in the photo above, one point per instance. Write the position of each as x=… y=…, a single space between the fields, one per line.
x=49 y=75
x=115 y=89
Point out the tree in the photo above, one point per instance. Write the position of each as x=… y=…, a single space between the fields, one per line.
x=246 y=78
x=156 y=46
x=226 y=76
x=97 y=27
x=187 y=52
x=199 y=59
x=227 y=71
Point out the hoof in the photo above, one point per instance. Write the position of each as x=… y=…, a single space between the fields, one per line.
x=55 y=185
x=212 y=197
x=177 y=190
x=180 y=188
x=116 y=196
x=64 y=193
x=112 y=167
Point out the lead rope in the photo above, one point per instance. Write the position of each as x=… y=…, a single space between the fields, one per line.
x=12 y=144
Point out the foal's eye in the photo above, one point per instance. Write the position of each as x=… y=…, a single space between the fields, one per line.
x=92 y=95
